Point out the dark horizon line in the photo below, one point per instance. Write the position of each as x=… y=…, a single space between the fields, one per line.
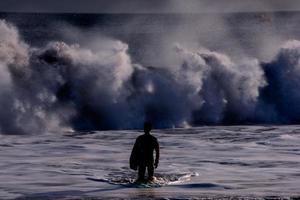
x=147 y=13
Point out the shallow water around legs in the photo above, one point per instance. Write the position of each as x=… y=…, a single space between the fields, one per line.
x=254 y=161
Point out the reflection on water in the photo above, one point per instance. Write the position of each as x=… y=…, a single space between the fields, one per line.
x=200 y=162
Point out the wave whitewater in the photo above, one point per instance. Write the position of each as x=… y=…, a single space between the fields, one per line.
x=61 y=85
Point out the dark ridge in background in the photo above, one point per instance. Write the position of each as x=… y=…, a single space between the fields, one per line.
x=145 y=6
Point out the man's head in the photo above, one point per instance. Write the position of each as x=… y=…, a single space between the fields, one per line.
x=147 y=127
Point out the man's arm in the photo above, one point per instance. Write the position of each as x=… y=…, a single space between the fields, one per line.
x=156 y=154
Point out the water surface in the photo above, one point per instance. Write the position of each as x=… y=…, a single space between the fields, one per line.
x=240 y=161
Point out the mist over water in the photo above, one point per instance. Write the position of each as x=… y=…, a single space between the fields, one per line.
x=177 y=78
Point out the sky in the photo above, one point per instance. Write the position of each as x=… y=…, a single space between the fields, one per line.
x=147 y=6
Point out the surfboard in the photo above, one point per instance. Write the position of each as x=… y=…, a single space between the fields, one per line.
x=134 y=158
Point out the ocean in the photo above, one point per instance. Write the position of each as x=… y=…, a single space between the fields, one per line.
x=216 y=162
x=221 y=90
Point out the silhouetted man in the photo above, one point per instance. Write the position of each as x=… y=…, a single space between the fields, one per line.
x=142 y=154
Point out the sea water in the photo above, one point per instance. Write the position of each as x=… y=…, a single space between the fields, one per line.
x=113 y=71
x=211 y=162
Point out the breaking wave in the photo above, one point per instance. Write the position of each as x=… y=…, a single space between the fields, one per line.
x=62 y=85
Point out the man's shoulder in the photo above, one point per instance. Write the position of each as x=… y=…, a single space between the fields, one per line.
x=139 y=137
x=153 y=137
x=144 y=136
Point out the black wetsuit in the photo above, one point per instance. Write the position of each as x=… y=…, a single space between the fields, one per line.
x=145 y=145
